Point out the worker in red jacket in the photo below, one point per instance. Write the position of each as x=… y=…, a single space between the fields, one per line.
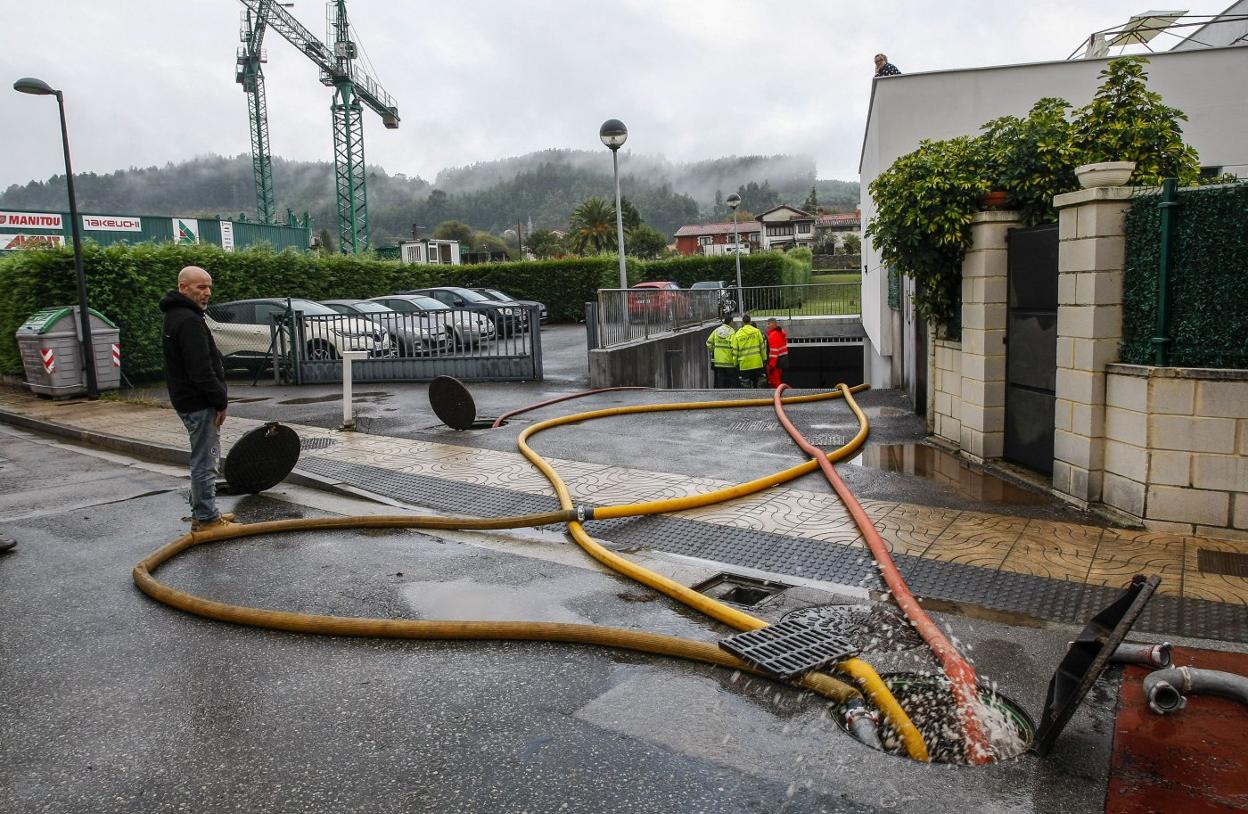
x=777 y=352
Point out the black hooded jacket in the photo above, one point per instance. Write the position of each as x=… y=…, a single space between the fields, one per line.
x=194 y=371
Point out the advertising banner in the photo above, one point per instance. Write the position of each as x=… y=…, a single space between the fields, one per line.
x=31 y=220
x=185 y=230
x=111 y=223
x=10 y=242
x=227 y=235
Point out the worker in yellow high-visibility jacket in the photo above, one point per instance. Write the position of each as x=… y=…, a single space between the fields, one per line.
x=751 y=350
x=723 y=356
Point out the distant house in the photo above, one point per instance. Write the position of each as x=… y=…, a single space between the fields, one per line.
x=836 y=226
x=716 y=238
x=787 y=226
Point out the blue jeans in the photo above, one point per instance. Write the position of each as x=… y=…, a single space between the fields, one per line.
x=205 y=447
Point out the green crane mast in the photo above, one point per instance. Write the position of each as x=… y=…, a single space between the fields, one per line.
x=249 y=74
x=354 y=89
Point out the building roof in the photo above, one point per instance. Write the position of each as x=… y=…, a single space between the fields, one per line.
x=700 y=229
x=839 y=219
x=798 y=214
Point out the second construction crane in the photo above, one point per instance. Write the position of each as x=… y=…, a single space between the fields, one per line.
x=353 y=89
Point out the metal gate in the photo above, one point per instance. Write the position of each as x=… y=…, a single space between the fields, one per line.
x=1031 y=347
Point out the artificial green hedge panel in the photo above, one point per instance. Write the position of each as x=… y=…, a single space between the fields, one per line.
x=1208 y=279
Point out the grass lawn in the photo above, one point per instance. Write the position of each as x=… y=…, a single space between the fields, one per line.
x=824 y=300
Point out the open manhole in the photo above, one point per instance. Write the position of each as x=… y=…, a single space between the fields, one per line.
x=740 y=590
x=928 y=701
x=872 y=628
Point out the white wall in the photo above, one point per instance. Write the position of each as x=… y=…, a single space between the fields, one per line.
x=1207 y=84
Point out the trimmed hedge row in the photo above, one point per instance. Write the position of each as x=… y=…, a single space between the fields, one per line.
x=1208 y=284
x=126 y=283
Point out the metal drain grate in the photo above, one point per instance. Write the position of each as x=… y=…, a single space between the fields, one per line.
x=1227 y=563
x=871 y=628
x=316 y=443
x=789 y=648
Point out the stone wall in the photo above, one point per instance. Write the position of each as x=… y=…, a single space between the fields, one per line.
x=1176 y=448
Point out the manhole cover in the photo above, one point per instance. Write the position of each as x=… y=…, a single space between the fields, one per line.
x=871 y=628
x=788 y=648
x=452 y=403
x=261 y=459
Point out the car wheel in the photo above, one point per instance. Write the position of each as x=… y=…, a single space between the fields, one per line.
x=321 y=351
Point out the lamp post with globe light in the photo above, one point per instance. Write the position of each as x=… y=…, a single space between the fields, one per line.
x=38 y=87
x=733 y=201
x=613 y=134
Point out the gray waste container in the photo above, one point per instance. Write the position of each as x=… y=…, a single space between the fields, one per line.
x=49 y=345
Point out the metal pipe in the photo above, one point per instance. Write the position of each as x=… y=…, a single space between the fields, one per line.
x=1145 y=655
x=1164 y=688
x=1161 y=341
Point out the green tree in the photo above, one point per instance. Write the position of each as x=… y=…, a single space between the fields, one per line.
x=851 y=243
x=544 y=244
x=485 y=242
x=1125 y=121
x=592 y=227
x=454 y=230
x=1032 y=159
x=325 y=241
x=812 y=201
x=645 y=242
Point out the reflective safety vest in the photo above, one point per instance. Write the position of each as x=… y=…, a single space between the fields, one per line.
x=720 y=344
x=777 y=344
x=748 y=343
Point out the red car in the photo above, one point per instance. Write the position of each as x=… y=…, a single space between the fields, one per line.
x=657 y=301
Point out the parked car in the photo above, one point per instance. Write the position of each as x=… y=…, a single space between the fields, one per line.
x=656 y=300
x=501 y=297
x=467 y=328
x=508 y=317
x=242 y=331
x=411 y=337
x=727 y=303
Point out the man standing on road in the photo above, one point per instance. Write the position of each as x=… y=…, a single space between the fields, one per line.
x=748 y=344
x=723 y=357
x=195 y=376
x=777 y=353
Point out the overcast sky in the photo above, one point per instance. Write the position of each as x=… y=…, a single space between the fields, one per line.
x=152 y=81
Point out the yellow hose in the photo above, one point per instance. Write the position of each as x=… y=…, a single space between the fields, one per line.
x=826 y=685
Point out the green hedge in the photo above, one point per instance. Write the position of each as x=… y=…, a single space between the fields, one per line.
x=126 y=283
x=1208 y=279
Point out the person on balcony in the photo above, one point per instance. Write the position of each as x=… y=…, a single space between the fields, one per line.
x=777 y=353
x=749 y=346
x=723 y=356
x=885 y=68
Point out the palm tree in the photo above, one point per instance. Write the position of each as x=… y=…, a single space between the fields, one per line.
x=593 y=227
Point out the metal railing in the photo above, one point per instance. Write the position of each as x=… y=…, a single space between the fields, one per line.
x=413 y=346
x=631 y=314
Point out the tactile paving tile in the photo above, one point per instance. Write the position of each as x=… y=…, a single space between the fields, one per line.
x=436 y=493
x=1040 y=597
x=1215 y=620
x=306 y=443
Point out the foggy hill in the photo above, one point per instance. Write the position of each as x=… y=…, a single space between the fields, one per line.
x=541 y=187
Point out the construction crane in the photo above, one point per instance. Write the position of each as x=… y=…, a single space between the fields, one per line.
x=353 y=89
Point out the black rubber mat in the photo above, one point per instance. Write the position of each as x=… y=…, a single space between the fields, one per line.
x=789 y=648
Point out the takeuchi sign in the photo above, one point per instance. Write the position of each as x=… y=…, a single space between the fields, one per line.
x=30 y=220
x=112 y=223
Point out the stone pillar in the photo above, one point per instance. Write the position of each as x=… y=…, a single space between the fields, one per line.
x=1091 y=256
x=984 y=291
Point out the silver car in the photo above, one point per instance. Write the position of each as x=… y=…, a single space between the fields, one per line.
x=467 y=328
x=411 y=337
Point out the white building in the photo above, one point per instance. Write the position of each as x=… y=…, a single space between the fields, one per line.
x=1208 y=84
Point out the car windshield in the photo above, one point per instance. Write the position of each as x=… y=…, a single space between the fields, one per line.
x=313 y=309
x=426 y=303
x=371 y=308
x=495 y=293
x=707 y=284
x=470 y=295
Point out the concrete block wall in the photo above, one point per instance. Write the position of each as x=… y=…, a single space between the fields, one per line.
x=1176 y=448
x=944 y=415
x=1091 y=258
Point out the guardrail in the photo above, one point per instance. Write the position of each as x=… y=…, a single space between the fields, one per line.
x=502 y=345
x=630 y=314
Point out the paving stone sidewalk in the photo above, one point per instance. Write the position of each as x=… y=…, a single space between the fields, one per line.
x=1024 y=568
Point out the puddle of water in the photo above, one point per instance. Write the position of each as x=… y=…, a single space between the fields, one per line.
x=312 y=399
x=467 y=600
x=945 y=469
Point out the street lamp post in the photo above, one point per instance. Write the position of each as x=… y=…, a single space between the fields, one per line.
x=38 y=87
x=613 y=134
x=733 y=201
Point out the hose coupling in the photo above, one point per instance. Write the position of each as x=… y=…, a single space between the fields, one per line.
x=863 y=723
x=584 y=512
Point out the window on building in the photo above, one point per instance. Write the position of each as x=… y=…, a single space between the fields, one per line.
x=704 y=240
x=803 y=228
x=779 y=230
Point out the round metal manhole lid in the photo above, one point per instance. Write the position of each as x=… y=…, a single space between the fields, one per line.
x=452 y=403
x=871 y=628
x=261 y=459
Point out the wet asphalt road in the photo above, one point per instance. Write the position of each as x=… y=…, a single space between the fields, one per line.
x=111 y=702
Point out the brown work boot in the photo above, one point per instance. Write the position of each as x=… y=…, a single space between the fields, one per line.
x=225 y=519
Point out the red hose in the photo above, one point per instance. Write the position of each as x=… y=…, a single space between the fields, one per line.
x=498 y=422
x=961 y=673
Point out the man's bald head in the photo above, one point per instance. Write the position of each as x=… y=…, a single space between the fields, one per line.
x=196 y=285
